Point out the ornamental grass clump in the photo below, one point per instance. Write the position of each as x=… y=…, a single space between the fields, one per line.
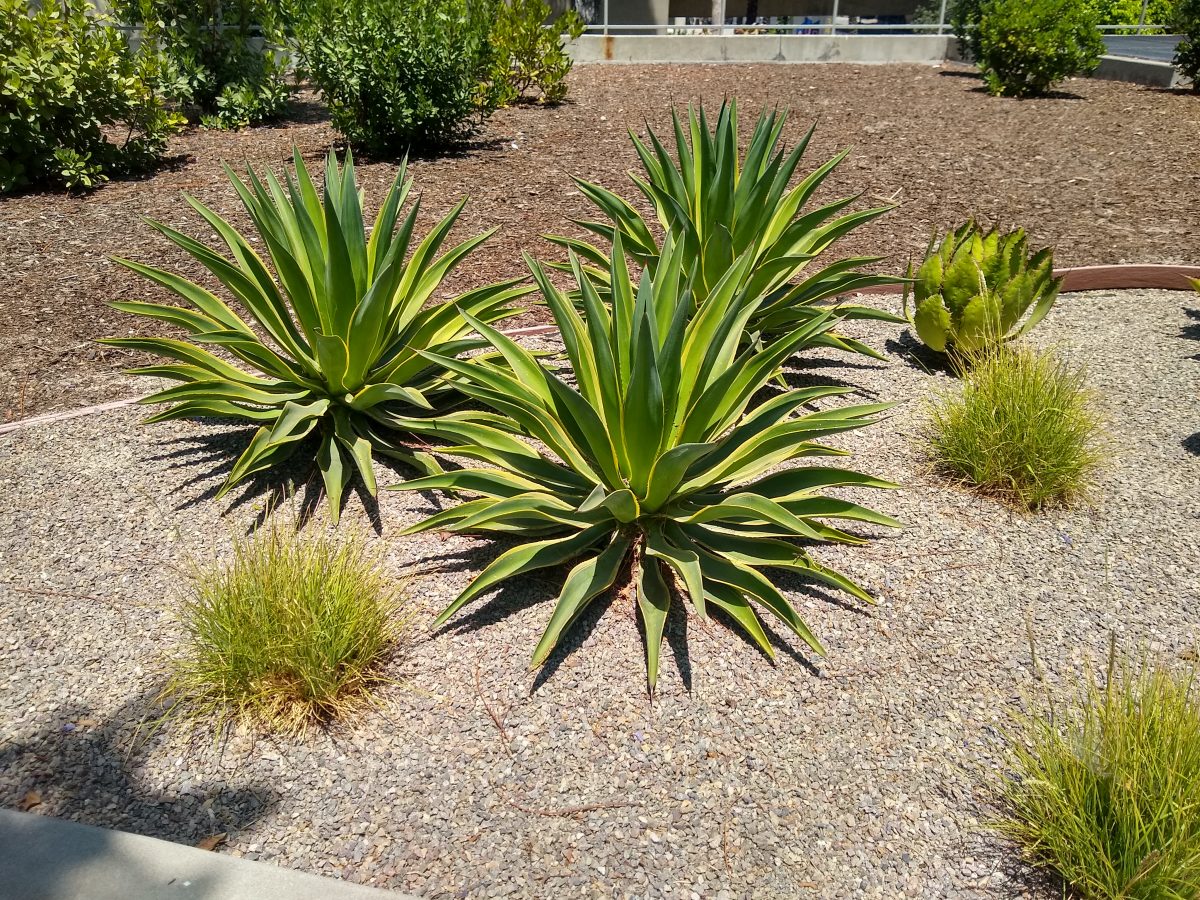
x=331 y=348
x=722 y=207
x=1106 y=790
x=1020 y=426
x=660 y=456
x=293 y=631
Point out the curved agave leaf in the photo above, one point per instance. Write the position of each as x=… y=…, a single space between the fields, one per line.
x=334 y=324
x=656 y=455
x=720 y=208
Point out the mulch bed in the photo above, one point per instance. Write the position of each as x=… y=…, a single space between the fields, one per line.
x=1106 y=172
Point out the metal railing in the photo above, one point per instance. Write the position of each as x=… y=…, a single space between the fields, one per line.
x=833 y=26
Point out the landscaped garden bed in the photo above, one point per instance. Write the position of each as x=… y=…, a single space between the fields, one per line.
x=733 y=575
x=1105 y=172
x=864 y=773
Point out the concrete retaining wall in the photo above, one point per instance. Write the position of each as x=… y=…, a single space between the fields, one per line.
x=1139 y=71
x=752 y=48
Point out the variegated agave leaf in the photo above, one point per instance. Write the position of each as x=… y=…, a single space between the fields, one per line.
x=721 y=207
x=326 y=341
x=663 y=455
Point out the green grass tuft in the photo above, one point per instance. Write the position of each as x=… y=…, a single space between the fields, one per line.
x=292 y=632
x=1107 y=791
x=1021 y=428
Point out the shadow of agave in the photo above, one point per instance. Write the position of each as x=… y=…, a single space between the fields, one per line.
x=212 y=454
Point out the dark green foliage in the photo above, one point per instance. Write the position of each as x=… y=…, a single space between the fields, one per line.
x=401 y=73
x=1187 y=55
x=220 y=62
x=64 y=78
x=529 y=53
x=1025 y=47
x=964 y=19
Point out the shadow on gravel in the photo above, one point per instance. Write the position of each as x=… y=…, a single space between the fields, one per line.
x=294 y=484
x=917 y=355
x=810 y=373
x=1191 y=332
x=81 y=768
x=1192 y=444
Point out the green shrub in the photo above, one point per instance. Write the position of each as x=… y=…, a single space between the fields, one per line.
x=530 y=54
x=294 y=631
x=335 y=337
x=972 y=291
x=964 y=19
x=1186 y=22
x=401 y=73
x=76 y=107
x=1106 y=790
x=1028 y=46
x=1021 y=427
x=658 y=459
x=1129 y=12
x=219 y=60
x=721 y=207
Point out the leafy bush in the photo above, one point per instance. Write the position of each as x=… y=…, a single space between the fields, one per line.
x=530 y=54
x=974 y=288
x=67 y=83
x=1186 y=22
x=658 y=456
x=1028 y=46
x=721 y=208
x=219 y=58
x=1021 y=427
x=1129 y=12
x=401 y=73
x=347 y=317
x=964 y=19
x=1107 y=789
x=292 y=632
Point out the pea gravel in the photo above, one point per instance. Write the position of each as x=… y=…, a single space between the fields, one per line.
x=858 y=775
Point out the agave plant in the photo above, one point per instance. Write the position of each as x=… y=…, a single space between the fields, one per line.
x=659 y=458
x=332 y=342
x=972 y=291
x=721 y=208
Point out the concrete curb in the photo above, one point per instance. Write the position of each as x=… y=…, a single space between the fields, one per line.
x=1138 y=71
x=42 y=858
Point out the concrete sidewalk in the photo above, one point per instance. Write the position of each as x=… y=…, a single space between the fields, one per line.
x=51 y=859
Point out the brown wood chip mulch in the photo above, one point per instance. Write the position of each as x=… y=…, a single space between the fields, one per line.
x=1106 y=172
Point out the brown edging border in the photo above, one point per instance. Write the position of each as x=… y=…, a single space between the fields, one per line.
x=1079 y=278
x=1104 y=278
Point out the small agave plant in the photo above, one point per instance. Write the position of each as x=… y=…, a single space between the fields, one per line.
x=722 y=207
x=658 y=455
x=973 y=290
x=331 y=342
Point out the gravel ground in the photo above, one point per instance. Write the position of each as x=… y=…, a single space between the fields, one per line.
x=857 y=775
